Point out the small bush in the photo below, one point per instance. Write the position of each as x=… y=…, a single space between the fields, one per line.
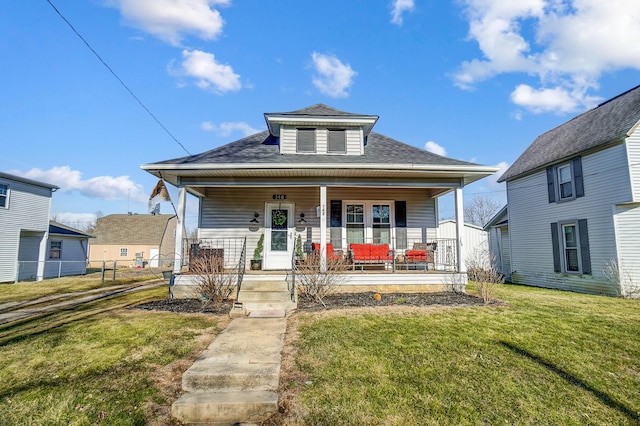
x=482 y=270
x=313 y=283
x=214 y=283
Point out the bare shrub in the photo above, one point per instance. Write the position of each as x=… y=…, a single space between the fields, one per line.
x=214 y=283
x=482 y=270
x=622 y=278
x=314 y=284
x=455 y=283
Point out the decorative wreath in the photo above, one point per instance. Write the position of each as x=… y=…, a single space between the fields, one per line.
x=279 y=217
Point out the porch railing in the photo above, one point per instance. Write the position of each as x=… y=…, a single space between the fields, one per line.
x=241 y=267
x=228 y=250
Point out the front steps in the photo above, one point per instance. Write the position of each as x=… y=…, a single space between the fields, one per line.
x=236 y=379
x=258 y=294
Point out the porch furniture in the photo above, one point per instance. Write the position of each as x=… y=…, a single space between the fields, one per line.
x=331 y=253
x=422 y=253
x=362 y=254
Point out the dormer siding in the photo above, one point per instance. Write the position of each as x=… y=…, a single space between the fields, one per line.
x=354 y=138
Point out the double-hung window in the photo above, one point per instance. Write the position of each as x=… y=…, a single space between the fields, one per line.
x=55 y=250
x=570 y=247
x=4 y=195
x=368 y=222
x=355 y=223
x=124 y=252
x=571 y=253
x=565 y=181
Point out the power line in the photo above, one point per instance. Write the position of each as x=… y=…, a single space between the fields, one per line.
x=116 y=76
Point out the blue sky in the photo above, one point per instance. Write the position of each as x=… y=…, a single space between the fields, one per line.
x=475 y=80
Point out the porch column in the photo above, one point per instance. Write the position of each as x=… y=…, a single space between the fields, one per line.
x=178 y=253
x=323 y=228
x=462 y=267
x=42 y=256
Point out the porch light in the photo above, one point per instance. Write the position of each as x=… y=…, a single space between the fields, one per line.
x=302 y=220
x=255 y=218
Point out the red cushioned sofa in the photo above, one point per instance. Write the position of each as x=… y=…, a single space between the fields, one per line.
x=370 y=253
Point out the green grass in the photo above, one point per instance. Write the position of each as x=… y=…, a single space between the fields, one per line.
x=547 y=357
x=27 y=290
x=93 y=363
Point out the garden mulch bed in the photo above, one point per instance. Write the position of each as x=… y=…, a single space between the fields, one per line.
x=335 y=301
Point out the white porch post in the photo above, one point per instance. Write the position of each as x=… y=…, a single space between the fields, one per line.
x=323 y=228
x=42 y=256
x=182 y=207
x=462 y=267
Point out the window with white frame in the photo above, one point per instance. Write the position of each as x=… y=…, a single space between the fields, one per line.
x=565 y=182
x=570 y=247
x=55 y=249
x=571 y=252
x=4 y=195
x=368 y=221
x=337 y=142
x=124 y=252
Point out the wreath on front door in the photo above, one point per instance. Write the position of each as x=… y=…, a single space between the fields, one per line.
x=279 y=217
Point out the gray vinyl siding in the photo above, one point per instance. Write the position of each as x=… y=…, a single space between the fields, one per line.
x=606 y=182
x=73 y=259
x=505 y=252
x=633 y=154
x=28 y=209
x=226 y=212
x=28 y=257
x=627 y=218
x=288 y=141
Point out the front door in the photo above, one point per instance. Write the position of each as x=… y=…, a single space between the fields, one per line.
x=278 y=239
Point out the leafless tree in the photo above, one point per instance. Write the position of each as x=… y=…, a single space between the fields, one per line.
x=480 y=209
x=214 y=283
x=483 y=271
x=314 y=284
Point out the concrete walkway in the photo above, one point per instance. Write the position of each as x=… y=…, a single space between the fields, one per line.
x=236 y=379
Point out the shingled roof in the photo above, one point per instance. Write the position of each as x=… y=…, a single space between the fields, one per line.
x=262 y=148
x=609 y=122
x=142 y=229
x=320 y=110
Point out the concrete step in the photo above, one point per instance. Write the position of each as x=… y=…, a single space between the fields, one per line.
x=268 y=305
x=225 y=407
x=252 y=296
x=203 y=376
x=264 y=285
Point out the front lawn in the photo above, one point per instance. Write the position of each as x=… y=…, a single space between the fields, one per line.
x=98 y=363
x=546 y=357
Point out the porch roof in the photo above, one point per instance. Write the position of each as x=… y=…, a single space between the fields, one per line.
x=258 y=156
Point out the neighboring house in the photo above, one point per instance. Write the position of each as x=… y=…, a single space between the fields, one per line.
x=133 y=240
x=25 y=206
x=324 y=174
x=476 y=240
x=499 y=246
x=574 y=202
x=67 y=251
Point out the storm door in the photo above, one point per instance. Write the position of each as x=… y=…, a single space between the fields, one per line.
x=278 y=237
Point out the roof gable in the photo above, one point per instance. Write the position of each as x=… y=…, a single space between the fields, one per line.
x=609 y=122
x=143 y=229
x=56 y=228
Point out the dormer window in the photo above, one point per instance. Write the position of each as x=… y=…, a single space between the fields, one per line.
x=337 y=142
x=306 y=140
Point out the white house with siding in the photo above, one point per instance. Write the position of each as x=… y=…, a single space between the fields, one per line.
x=325 y=175
x=574 y=202
x=476 y=240
x=499 y=245
x=25 y=205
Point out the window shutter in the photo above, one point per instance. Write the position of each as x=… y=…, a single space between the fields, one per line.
x=555 y=242
x=306 y=141
x=551 y=185
x=583 y=233
x=336 y=214
x=401 y=214
x=577 y=176
x=337 y=141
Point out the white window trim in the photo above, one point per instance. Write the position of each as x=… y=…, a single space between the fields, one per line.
x=60 y=250
x=558 y=183
x=563 y=246
x=328 y=130
x=368 y=220
x=7 y=196
x=315 y=140
x=126 y=251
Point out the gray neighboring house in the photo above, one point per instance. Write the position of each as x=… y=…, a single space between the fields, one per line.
x=324 y=175
x=67 y=251
x=574 y=202
x=25 y=206
x=499 y=245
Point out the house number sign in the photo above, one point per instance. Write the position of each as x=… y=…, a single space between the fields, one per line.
x=279 y=196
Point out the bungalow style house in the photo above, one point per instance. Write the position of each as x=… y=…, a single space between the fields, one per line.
x=574 y=203
x=325 y=175
x=133 y=240
x=25 y=206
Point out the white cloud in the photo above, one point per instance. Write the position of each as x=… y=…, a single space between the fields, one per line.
x=492 y=181
x=108 y=188
x=169 y=20
x=75 y=220
x=431 y=146
x=567 y=45
x=333 y=77
x=209 y=74
x=399 y=8
x=227 y=128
